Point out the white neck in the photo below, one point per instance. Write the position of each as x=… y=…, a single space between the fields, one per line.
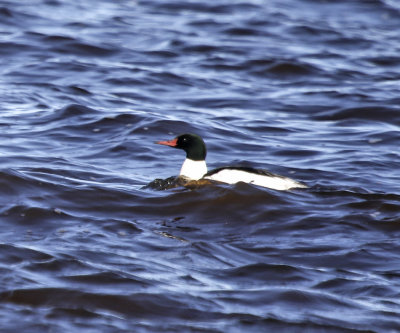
x=193 y=169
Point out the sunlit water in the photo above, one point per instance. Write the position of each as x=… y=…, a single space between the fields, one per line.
x=305 y=89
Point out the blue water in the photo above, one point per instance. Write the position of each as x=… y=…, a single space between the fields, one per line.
x=303 y=88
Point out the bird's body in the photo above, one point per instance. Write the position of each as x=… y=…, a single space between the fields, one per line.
x=194 y=168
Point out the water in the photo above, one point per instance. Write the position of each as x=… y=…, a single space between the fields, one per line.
x=305 y=89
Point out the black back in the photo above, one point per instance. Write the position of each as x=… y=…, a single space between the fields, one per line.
x=246 y=169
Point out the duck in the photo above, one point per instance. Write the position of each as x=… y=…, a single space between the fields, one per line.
x=194 y=167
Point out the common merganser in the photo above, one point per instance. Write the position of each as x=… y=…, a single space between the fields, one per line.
x=195 y=168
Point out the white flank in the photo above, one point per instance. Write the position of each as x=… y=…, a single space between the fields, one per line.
x=193 y=169
x=232 y=176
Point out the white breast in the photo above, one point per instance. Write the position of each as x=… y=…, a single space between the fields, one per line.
x=193 y=169
x=233 y=176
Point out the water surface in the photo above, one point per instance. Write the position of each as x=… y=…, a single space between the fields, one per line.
x=305 y=89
